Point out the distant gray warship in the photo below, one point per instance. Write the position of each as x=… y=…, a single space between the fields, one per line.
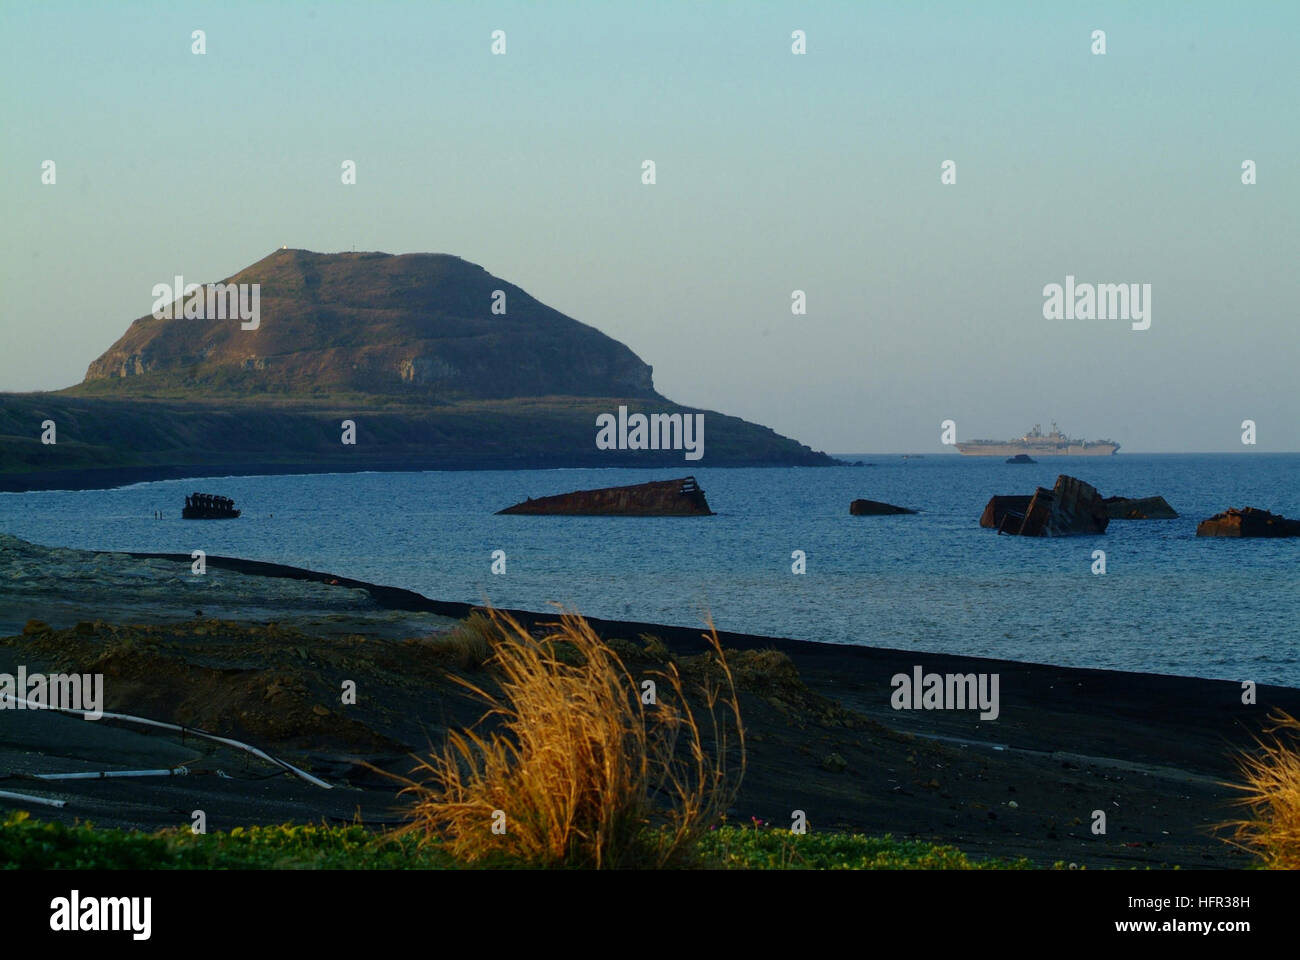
x=1054 y=444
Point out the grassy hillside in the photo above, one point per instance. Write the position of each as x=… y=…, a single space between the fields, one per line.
x=111 y=441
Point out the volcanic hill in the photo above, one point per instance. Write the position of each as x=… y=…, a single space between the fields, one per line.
x=438 y=363
x=414 y=325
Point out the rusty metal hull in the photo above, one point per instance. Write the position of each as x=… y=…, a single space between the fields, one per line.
x=1248 y=522
x=1070 y=508
x=999 y=506
x=876 y=508
x=661 y=498
x=1139 y=508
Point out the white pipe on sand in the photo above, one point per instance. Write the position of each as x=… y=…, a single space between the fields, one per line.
x=108 y=774
x=9 y=697
x=28 y=798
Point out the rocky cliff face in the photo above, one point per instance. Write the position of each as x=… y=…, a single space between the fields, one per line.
x=417 y=324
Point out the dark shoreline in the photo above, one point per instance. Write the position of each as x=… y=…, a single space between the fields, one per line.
x=1148 y=717
x=108 y=478
x=1156 y=753
x=108 y=441
x=688 y=638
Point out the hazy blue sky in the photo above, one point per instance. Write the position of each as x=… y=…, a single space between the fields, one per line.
x=775 y=172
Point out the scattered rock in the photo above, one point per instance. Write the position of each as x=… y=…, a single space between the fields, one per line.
x=874 y=508
x=35 y=626
x=835 y=763
x=1248 y=522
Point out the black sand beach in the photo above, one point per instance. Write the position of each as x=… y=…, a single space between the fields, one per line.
x=1152 y=752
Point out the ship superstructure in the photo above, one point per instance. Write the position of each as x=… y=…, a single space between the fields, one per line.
x=1053 y=444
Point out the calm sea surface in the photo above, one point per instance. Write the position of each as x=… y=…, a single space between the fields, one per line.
x=1168 y=603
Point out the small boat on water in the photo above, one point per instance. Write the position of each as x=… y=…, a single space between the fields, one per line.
x=207 y=506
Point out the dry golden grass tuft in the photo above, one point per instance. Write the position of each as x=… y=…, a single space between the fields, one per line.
x=1272 y=796
x=468 y=645
x=573 y=765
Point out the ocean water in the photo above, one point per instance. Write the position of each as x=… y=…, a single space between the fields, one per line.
x=1168 y=602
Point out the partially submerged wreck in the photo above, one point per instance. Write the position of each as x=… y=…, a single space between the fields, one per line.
x=207 y=506
x=875 y=508
x=1117 y=508
x=1070 y=508
x=1248 y=522
x=999 y=506
x=659 y=498
x=1139 y=508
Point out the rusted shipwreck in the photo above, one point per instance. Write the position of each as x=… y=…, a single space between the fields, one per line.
x=1248 y=522
x=1139 y=508
x=1070 y=508
x=996 y=510
x=208 y=506
x=659 y=498
x=876 y=508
